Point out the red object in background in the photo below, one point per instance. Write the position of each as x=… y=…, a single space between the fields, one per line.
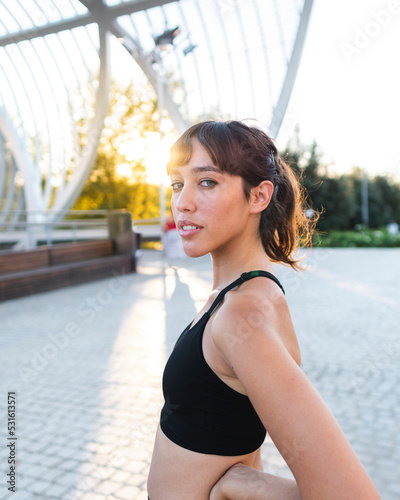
x=169 y=224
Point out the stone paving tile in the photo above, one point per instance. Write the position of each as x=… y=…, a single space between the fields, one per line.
x=69 y=464
x=106 y=487
x=93 y=496
x=89 y=403
x=36 y=471
x=57 y=491
x=38 y=486
x=129 y=492
x=121 y=476
x=24 y=481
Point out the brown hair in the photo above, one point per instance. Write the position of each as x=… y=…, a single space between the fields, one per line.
x=250 y=153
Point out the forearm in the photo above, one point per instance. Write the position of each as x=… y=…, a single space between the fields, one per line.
x=242 y=482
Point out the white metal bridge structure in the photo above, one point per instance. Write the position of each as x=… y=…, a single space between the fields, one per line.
x=218 y=59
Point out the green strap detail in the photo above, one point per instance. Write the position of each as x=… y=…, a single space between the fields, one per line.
x=243 y=277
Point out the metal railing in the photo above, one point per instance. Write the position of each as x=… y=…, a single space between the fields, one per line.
x=21 y=229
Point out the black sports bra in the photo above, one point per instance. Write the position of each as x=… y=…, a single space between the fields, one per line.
x=201 y=413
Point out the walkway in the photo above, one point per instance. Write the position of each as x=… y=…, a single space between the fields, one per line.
x=86 y=365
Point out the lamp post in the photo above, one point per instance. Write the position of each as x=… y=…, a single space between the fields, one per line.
x=160 y=105
x=162 y=43
x=364 y=200
x=158 y=66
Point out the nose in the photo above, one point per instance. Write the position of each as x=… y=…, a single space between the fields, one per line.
x=185 y=200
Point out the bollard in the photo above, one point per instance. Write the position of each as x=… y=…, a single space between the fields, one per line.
x=121 y=233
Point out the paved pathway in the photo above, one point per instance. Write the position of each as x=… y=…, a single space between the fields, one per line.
x=86 y=365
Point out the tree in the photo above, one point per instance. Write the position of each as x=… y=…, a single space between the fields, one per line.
x=384 y=201
x=338 y=198
x=132 y=116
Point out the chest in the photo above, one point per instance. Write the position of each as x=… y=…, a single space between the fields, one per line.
x=196 y=372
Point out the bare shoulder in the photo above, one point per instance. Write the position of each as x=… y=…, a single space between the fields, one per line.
x=256 y=313
x=254 y=332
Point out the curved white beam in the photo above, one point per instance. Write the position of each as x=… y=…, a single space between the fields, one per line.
x=23 y=161
x=103 y=16
x=291 y=73
x=3 y=166
x=89 y=152
x=159 y=83
x=8 y=201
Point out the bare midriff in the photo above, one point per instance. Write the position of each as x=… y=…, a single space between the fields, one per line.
x=177 y=473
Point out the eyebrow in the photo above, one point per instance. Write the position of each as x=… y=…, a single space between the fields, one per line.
x=197 y=170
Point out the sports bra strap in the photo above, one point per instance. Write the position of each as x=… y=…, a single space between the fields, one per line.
x=243 y=277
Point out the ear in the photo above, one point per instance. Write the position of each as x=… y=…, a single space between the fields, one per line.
x=260 y=196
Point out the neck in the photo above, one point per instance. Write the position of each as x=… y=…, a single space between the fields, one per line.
x=229 y=263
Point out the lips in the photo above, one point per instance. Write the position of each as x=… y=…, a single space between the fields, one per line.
x=188 y=228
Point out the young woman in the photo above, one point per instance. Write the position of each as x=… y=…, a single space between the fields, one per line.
x=234 y=372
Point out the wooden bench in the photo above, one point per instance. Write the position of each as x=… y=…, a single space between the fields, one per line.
x=11 y=261
x=75 y=252
x=32 y=271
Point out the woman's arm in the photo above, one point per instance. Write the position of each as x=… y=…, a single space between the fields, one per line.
x=299 y=422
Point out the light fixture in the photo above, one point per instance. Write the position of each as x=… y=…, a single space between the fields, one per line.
x=187 y=50
x=167 y=38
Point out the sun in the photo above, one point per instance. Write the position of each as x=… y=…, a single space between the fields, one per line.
x=156 y=157
x=153 y=150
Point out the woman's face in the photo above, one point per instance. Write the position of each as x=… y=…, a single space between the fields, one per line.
x=209 y=206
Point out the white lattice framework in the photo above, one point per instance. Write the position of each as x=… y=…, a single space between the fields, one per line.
x=231 y=59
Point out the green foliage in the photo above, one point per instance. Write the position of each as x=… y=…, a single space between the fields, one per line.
x=361 y=238
x=338 y=197
x=140 y=199
x=131 y=117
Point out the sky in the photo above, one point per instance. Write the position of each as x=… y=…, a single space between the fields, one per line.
x=347 y=91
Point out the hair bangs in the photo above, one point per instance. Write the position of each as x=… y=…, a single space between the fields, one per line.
x=180 y=152
x=216 y=138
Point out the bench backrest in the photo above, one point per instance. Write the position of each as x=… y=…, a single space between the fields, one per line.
x=25 y=260
x=11 y=261
x=74 y=252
